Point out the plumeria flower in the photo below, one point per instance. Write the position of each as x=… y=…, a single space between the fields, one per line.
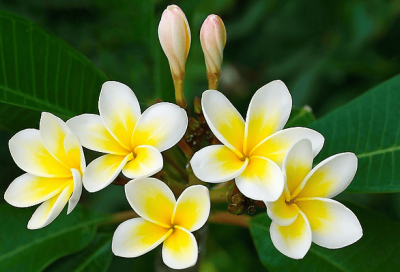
x=132 y=141
x=252 y=151
x=53 y=159
x=163 y=220
x=305 y=213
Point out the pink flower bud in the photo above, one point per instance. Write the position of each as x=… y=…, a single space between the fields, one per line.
x=174 y=35
x=213 y=39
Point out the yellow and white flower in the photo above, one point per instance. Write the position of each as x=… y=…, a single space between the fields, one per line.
x=54 y=162
x=163 y=220
x=132 y=140
x=305 y=213
x=252 y=151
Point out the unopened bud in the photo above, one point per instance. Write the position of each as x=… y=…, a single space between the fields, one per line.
x=213 y=40
x=235 y=209
x=174 y=35
x=238 y=199
x=197 y=105
x=193 y=124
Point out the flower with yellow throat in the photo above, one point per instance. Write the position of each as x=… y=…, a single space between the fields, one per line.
x=305 y=212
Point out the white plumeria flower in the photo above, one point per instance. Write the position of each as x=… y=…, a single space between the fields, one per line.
x=305 y=213
x=252 y=151
x=163 y=220
x=132 y=140
x=54 y=162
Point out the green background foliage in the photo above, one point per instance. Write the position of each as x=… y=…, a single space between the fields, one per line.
x=54 y=56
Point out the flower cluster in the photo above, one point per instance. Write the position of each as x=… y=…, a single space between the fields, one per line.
x=267 y=162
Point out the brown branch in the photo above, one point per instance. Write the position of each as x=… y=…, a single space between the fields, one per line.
x=229 y=219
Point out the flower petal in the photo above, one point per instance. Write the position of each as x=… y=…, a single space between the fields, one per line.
x=333 y=225
x=152 y=199
x=94 y=135
x=30 y=155
x=268 y=112
x=180 y=249
x=50 y=209
x=53 y=131
x=217 y=163
x=120 y=110
x=329 y=178
x=192 y=208
x=161 y=125
x=278 y=144
x=28 y=190
x=294 y=240
x=297 y=164
x=136 y=237
x=261 y=180
x=282 y=213
x=147 y=162
x=224 y=120
x=77 y=191
x=74 y=152
x=103 y=170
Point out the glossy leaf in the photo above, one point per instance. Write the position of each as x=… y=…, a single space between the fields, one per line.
x=377 y=250
x=26 y=250
x=96 y=257
x=300 y=117
x=369 y=126
x=40 y=72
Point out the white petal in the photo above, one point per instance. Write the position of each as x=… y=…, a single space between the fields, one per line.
x=152 y=199
x=180 y=249
x=261 y=180
x=329 y=178
x=192 y=208
x=297 y=164
x=53 y=131
x=217 y=163
x=50 y=209
x=94 y=135
x=120 y=110
x=147 y=162
x=224 y=120
x=30 y=155
x=268 y=112
x=76 y=193
x=74 y=152
x=294 y=240
x=136 y=237
x=28 y=190
x=161 y=125
x=278 y=144
x=103 y=170
x=333 y=225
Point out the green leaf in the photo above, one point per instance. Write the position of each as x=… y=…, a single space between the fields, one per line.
x=377 y=250
x=97 y=257
x=368 y=126
x=40 y=72
x=32 y=250
x=228 y=249
x=300 y=117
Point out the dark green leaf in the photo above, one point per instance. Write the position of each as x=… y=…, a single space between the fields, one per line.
x=300 y=117
x=96 y=257
x=40 y=72
x=228 y=250
x=377 y=250
x=33 y=250
x=369 y=126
